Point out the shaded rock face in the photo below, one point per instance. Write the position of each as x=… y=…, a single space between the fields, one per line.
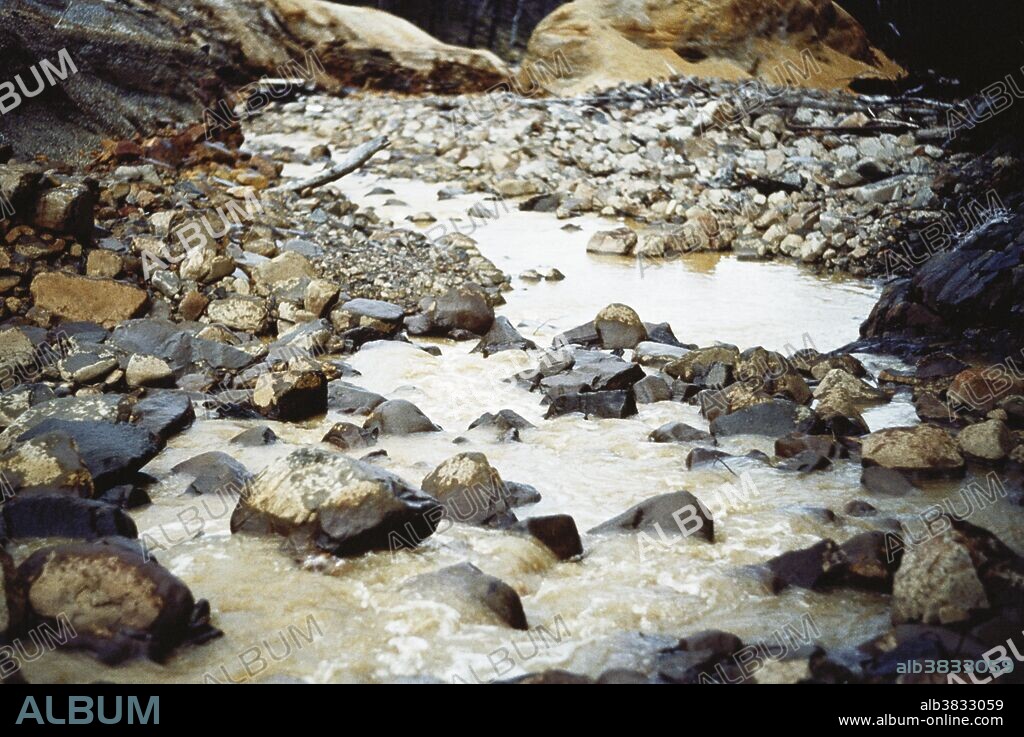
x=336 y=504
x=168 y=60
x=118 y=605
x=476 y=595
x=600 y=43
x=557 y=532
x=974 y=283
x=42 y=515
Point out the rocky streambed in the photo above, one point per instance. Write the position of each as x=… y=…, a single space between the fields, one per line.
x=525 y=396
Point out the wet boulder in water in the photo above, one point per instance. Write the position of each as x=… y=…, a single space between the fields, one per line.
x=506 y=424
x=113 y=452
x=471 y=490
x=796 y=443
x=463 y=308
x=350 y=399
x=399 y=417
x=776 y=418
x=604 y=404
x=705 y=657
x=346 y=436
x=678 y=513
x=870 y=561
x=42 y=515
x=502 y=336
x=336 y=504
x=619 y=242
x=119 y=604
x=678 y=432
x=840 y=388
x=699 y=457
x=815 y=567
x=557 y=532
x=255 y=437
x=213 y=473
x=922 y=450
x=657 y=355
x=478 y=597
x=291 y=396
x=651 y=389
x=698 y=362
x=591 y=371
x=49 y=460
x=619 y=327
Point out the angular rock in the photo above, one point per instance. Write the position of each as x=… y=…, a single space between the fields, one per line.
x=775 y=419
x=651 y=389
x=505 y=423
x=214 y=473
x=678 y=432
x=42 y=515
x=240 y=313
x=502 y=337
x=50 y=460
x=815 y=567
x=350 y=399
x=112 y=452
x=164 y=413
x=291 y=396
x=346 y=436
x=605 y=404
x=989 y=441
x=255 y=437
x=80 y=298
x=620 y=242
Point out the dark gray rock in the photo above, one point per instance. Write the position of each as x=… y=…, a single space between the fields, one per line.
x=557 y=532
x=676 y=514
x=502 y=336
x=474 y=593
x=214 y=473
x=775 y=419
x=399 y=417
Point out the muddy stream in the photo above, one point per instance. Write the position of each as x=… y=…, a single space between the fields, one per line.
x=348 y=620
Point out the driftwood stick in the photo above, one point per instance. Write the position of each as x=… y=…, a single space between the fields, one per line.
x=352 y=161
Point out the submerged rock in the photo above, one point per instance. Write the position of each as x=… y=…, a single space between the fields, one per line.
x=679 y=513
x=336 y=504
x=399 y=417
x=557 y=532
x=474 y=594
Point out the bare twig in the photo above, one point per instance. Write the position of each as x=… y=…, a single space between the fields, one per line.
x=354 y=160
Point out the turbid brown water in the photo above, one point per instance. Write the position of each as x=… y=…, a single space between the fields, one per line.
x=348 y=620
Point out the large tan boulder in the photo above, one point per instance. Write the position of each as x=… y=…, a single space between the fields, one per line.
x=601 y=43
x=81 y=298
